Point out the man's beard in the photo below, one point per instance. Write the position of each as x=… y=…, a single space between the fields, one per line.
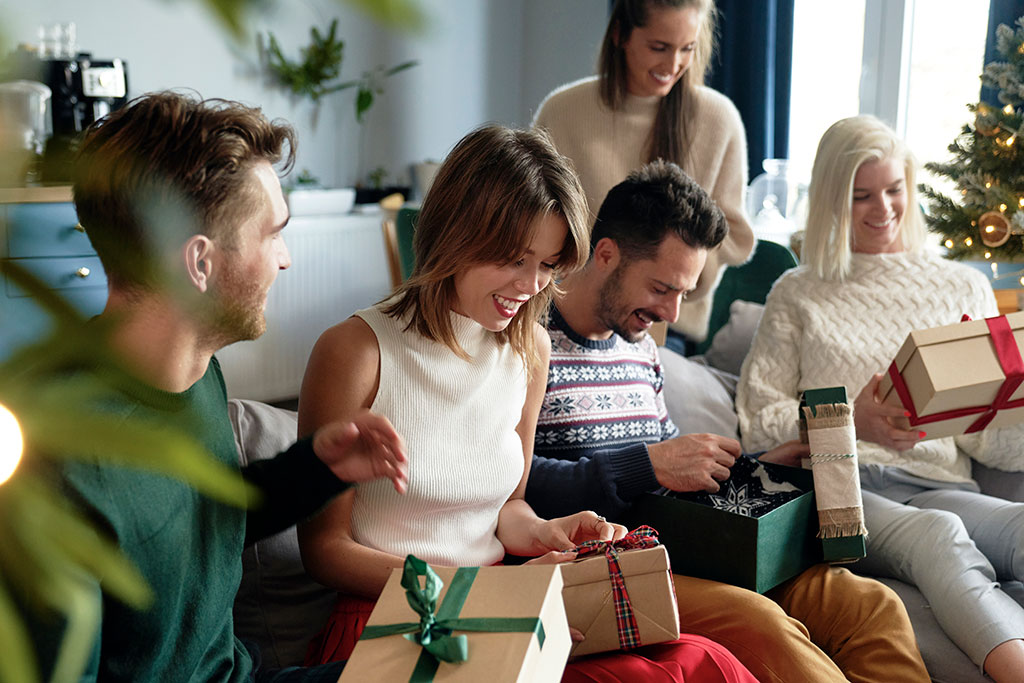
x=236 y=310
x=613 y=313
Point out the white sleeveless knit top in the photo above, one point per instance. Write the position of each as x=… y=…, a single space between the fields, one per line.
x=458 y=419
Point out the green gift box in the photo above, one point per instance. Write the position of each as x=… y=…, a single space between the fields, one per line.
x=757 y=553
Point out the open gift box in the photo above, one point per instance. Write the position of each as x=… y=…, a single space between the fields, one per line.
x=757 y=553
x=511 y=620
x=959 y=378
x=592 y=606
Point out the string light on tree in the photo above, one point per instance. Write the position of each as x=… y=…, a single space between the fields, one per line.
x=11 y=444
x=988 y=207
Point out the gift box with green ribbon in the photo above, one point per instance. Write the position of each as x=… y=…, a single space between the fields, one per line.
x=450 y=624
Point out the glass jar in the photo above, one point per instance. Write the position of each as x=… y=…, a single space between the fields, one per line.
x=776 y=202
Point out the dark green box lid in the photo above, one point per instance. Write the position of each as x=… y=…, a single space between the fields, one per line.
x=754 y=553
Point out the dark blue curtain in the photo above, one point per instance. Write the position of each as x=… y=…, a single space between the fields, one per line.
x=1000 y=12
x=753 y=67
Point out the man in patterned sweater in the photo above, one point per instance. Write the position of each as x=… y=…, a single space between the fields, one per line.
x=604 y=438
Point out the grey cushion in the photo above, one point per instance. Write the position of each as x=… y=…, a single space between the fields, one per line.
x=732 y=342
x=278 y=606
x=699 y=398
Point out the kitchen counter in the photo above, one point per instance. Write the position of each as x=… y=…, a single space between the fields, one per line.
x=35 y=195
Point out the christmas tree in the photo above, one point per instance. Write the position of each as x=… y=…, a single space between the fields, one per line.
x=986 y=220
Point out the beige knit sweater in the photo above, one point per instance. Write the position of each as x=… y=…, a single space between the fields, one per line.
x=606 y=145
x=817 y=333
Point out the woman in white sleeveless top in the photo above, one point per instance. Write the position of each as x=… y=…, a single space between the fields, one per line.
x=457 y=361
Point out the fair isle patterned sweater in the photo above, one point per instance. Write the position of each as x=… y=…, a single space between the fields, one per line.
x=816 y=334
x=603 y=405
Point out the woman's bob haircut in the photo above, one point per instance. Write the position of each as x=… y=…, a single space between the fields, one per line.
x=484 y=207
x=844 y=147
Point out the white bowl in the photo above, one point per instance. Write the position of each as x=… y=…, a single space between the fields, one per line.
x=321 y=201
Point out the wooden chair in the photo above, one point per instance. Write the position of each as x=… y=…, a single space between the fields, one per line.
x=398 y=227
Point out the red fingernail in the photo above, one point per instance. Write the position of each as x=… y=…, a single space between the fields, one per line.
x=906 y=413
x=921 y=435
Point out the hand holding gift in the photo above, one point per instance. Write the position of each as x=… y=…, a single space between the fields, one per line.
x=874 y=419
x=562 y=535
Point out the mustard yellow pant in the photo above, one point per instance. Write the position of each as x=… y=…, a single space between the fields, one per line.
x=824 y=625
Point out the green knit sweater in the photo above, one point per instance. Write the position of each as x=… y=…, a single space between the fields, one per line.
x=187 y=546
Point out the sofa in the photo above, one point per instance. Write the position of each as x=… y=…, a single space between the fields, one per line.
x=280 y=608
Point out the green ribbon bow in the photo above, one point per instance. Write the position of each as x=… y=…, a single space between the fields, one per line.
x=434 y=630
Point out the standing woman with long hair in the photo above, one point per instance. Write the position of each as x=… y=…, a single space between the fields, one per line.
x=648 y=102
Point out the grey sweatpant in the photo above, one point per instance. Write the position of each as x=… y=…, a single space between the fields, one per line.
x=955 y=544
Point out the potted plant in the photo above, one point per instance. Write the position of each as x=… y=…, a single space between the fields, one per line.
x=316 y=75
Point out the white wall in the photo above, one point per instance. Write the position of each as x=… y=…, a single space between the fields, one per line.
x=480 y=60
x=560 y=44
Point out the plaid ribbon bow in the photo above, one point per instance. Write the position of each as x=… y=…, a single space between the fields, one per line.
x=641 y=537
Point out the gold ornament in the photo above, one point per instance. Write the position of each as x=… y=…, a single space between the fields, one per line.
x=995 y=229
x=985 y=124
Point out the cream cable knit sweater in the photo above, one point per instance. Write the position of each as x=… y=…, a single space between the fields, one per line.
x=458 y=419
x=605 y=145
x=817 y=334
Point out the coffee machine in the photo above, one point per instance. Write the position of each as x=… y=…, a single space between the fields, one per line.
x=82 y=90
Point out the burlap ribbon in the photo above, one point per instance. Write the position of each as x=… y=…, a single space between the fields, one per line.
x=833 y=442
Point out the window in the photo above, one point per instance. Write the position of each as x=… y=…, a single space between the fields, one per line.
x=913 y=64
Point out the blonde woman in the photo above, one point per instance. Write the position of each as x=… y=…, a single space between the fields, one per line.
x=648 y=102
x=840 y=318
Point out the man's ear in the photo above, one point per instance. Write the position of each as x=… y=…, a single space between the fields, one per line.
x=198 y=253
x=606 y=255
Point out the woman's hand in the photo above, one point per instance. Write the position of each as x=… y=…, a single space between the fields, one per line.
x=563 y=534
x=873 y=419
x=789 y=454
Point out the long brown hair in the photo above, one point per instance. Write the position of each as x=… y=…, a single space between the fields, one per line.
x=669 y=138
x=484 y=206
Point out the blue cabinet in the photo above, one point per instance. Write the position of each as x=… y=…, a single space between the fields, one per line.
x=39 y=230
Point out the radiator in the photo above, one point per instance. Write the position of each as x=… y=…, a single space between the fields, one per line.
x=338 y=266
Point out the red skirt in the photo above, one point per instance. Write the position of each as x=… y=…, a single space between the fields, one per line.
x=691 y=659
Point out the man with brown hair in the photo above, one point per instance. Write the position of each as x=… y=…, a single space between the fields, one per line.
x=185 y=210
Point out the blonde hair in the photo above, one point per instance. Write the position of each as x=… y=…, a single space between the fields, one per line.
x=484 y=206
x=669 y=138
x=844 y=147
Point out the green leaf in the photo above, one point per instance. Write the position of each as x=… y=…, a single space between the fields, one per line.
x=19 y=660
x=405 y=14
x=364 y=100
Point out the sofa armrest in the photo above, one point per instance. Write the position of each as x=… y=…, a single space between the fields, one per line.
x=993 y=482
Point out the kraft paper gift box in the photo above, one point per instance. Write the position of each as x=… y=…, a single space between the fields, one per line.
x=757 y=553
x=590 y=601
x=954 y=377
x=497 y=652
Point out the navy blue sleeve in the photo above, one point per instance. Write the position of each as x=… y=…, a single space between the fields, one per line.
x=605 y=481
x=295 y=484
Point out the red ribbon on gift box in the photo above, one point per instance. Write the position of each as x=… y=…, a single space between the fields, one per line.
x=641 y=537
x=1013 y=367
